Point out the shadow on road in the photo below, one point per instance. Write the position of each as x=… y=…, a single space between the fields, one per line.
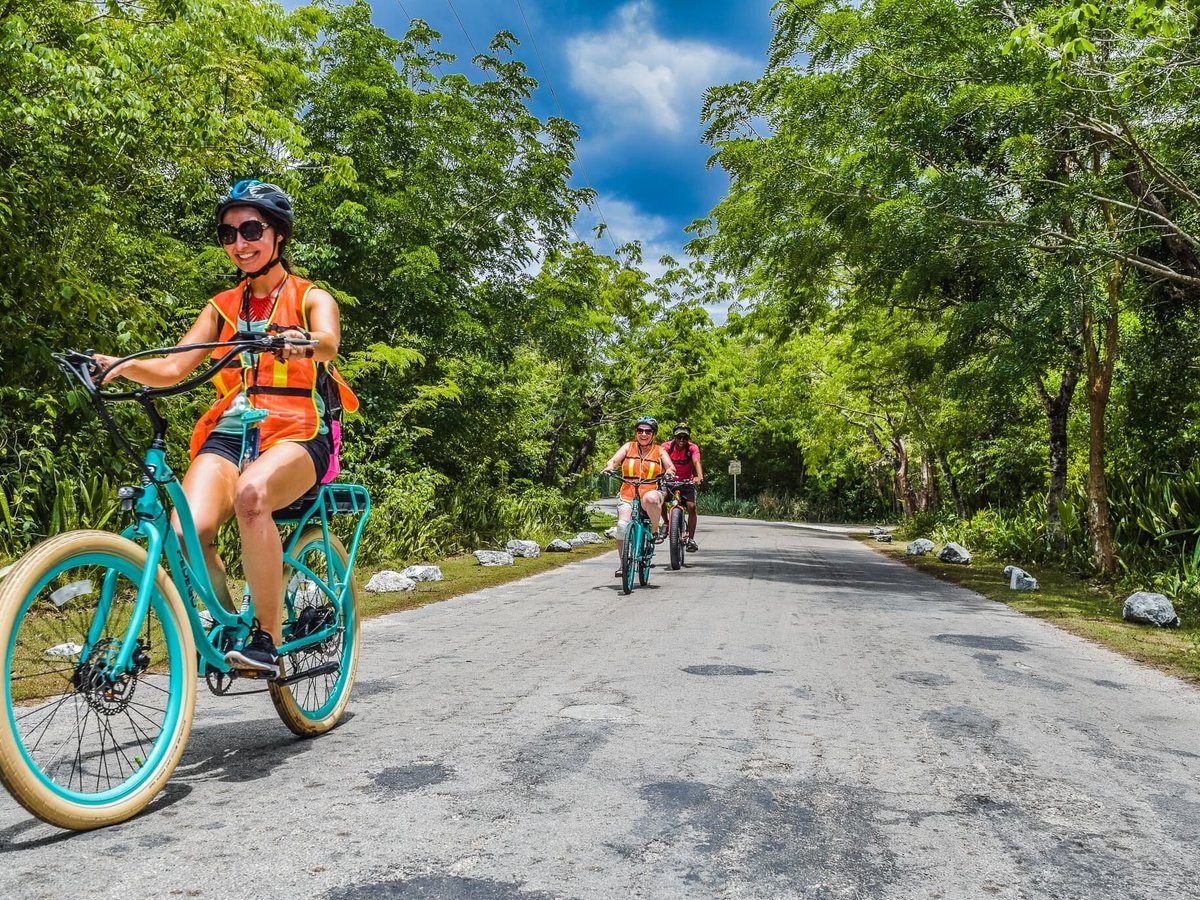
x=242 y=751
x=10 y=838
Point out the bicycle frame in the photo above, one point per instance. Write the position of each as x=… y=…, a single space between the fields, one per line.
x=152 y=524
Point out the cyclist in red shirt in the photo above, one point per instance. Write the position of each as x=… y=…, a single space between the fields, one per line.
x=686 y=457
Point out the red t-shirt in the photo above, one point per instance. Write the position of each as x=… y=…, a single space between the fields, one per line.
x=682 y=458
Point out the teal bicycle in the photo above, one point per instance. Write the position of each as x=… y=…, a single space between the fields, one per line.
x=100 y=633
x=637 y=550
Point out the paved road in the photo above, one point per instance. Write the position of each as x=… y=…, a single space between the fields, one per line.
x=793 y=716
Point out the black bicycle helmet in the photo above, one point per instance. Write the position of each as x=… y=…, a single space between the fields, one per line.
x=649 y=420
x=269 y=199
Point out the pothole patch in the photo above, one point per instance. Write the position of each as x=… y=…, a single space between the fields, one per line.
x=925 y=679
x=402 y=779
x=427 y=887
x=724 y=670
x=983 y=642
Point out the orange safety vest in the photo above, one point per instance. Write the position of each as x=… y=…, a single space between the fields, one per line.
x=287 y=390
x=635 y=465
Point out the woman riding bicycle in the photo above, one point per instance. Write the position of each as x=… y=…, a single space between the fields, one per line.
x=250 y=471
x=641 y=458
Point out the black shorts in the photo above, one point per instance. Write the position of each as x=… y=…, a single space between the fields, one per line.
x=687 y=493
x=229 y=446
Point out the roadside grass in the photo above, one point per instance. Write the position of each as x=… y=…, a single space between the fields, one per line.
x=1092 y=611
x=463 y=574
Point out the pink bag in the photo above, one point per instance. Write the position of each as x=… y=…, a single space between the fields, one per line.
x=335 y=463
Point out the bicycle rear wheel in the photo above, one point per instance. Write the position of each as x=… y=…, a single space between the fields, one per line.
x=676 y=522
x=629 y=557
x=81 y=744
x=315 y=703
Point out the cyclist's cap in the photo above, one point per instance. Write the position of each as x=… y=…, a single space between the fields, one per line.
x=682 y=428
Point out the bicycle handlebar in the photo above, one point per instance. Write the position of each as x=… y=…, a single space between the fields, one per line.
x=629 y=479
x=82 y=367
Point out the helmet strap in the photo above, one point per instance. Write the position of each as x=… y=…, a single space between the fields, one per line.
x=265 y=269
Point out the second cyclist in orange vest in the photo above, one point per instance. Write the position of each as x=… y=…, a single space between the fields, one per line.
x=643 y=458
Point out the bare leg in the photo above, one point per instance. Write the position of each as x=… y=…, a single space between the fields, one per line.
x=652 y=503
x=279 y=476
x=691 y=508
x=209 y=486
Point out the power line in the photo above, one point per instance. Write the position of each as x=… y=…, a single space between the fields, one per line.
x=582 y=171
x=463 y=27
x=403 y=10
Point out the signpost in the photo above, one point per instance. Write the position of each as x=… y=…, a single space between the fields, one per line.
x=735 y=469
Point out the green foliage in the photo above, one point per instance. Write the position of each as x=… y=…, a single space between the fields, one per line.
x=424 y=198
x=406 y=523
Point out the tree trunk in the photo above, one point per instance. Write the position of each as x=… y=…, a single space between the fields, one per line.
x=550 y=470
x=960 y=507
x=595 y=415
x=1099 y=384
x=903 y=484
x=1058 y=409
x=931 y=490
x=1101 y=355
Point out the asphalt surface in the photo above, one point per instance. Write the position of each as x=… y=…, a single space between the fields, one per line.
x=793 y=715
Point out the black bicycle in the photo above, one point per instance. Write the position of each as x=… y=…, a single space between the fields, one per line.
x=676 y=518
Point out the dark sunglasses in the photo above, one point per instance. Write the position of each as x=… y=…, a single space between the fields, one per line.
x=645 y=430
x=251 y=230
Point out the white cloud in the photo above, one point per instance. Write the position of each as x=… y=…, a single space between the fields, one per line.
x=639 y=79
x=626 y=223
x=659 y=237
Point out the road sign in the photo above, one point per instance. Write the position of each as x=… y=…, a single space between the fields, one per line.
x=735 y=467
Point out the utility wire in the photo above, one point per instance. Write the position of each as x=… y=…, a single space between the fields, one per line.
x=463 y=27
x=582 y=171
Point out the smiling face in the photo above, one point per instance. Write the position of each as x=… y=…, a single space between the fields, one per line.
x=250 y=256
x=645 y=435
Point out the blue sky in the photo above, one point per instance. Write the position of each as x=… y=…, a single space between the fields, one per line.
x=630 y=75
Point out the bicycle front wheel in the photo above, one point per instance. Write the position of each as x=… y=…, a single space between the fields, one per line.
x=83 y=745
x=629 y=557
x=314 y=703
x=645 y=556
x=676 y=528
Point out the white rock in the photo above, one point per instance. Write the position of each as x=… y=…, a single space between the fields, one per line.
x=494 y=557
x=558 y=545
x=389 y=582
x=528 y=549
x=589 y=537
x=883 y=537
x=575 y=542
x=1151 y=609
x=423 y=573
x=955 y=553
x=1020 y=580
x=611 y=533
x=919 y=547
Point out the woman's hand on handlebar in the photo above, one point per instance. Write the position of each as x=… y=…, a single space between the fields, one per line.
x=104 y=364
x=297 y=343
